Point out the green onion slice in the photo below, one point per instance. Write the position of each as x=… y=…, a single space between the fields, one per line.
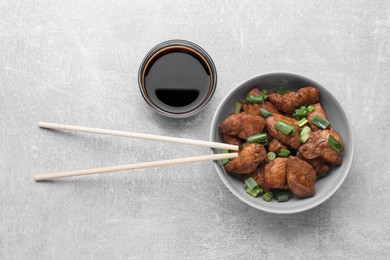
x=271 y=156
x=300 y=112
x=225 y=161
x=283 y=91
x=265 y=113
x=282 y=197
x=334 y=144
x=305 y=134
x=264 y=92
x=255 y=192
x=302 y=122
x=285 y=128
x=284 y=152
x=237 y=108
x=267 y=196
x=251 y=183
x=320 y=122
x=311 y=108
x=256 y=99
x=259 y=138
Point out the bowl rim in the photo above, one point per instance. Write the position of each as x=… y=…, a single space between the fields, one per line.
x=223 y=176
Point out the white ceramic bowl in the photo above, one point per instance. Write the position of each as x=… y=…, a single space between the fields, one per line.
x=325 y=187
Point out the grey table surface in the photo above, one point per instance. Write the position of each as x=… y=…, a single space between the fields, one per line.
x=76 y=62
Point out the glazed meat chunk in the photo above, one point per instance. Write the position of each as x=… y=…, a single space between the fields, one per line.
x=258 y=175
x=290 y=140
x=292 y=100
x=254 y=109
x=230 y=139
x=249 y=158
x=317 y=146
x=274 y=145
x=318 y=165
x=275 y=174
x=318 y=111
x=242 y=125
x=301 y=177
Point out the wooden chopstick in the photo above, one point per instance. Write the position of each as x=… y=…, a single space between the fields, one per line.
x=210 y=157
x=137 y=135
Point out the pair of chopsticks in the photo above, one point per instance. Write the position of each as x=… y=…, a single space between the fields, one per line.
x=211 y=157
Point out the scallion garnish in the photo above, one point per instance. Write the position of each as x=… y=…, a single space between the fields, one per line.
x=259 y=138
x=320 y=122
x=305 y=134
x=285 y=128
x=237 y=108
x=334 y=144
x=283 y=91
x=265 y=113
x=311 y=108
x=302 y=122
x=256 y=99
x=300 y=112
x=252 y=188
x=284 y=152
x=267 y=196
x=271 y=156
x=225 y=161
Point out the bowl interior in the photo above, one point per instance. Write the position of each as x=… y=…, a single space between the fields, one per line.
x=325 y=187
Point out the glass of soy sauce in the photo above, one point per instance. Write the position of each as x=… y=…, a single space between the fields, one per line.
x=177 y=78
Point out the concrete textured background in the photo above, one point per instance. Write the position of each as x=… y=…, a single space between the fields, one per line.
x=76 y=62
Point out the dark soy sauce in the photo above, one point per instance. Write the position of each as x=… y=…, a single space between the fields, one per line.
x=177 y=79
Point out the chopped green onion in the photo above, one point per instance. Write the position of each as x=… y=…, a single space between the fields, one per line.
x=311 y=108
x=285 y=128
x=251 y=183
x=284 y=152
x=225 y=161
x=283 y=91
x=252 y=188
x=271 y=156
x=256 y=99
x=302 y=122
x=259 y=138
x=334 y=144
x=282 y=197
x=264 y=92
x=265 y=113
x=305 y=134
x=320 y=121
x=237 y=108
x=267 y=196
x=300 y=112
x=256 y=191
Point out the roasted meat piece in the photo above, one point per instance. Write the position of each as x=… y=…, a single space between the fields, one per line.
x=242 y=125
x=301 y=177
x=230 y=139
x=318 y=111
x=317 y=146
x=258 y=176
x=254 y=109
x=249 y=158
x=290 y=140
x=274 y=145
x=290 y=101
x=318 y=165
x=275 y=174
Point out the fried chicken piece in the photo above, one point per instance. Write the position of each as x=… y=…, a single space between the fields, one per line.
x=290 y=140
x=242 y=125
x=301 y=177
x=249 y=158
x=318 y=111
x=292 y=100
x=275 y=174
x=254 y=109
x=275 y=145
x=317 y=146
x=230 y=139
x=318 y=165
